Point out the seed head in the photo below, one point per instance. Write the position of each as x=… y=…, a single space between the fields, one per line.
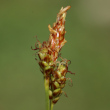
x=48 y=53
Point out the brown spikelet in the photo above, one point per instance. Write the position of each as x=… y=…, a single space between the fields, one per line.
x=48 y=53
x=57 y=32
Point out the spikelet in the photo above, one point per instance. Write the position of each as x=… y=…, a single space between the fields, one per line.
x=48 y=53
x=56 y=39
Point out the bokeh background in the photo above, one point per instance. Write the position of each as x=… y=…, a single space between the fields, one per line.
x=88 y=48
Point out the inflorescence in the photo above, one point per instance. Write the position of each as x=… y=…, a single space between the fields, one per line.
x=53 y=70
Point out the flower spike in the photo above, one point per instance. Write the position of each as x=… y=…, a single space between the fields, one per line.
x=54 y=71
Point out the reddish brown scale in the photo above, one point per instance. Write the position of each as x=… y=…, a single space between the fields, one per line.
x=49 y=52
x=61 y=22
x=59 y=39
x=50 y=97
x=63 y=80
x=49 y=71
x=63 y=73
x=55 y=101
x=53 y=42
x=55 y=75
x=47 y=59
x=54 y=87
x=55 y=27
x=41 y=65
x=60 y=35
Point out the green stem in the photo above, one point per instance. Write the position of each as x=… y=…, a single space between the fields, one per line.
x=51 y=105
x=46 y=84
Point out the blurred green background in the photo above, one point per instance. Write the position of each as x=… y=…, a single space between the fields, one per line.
x=88 y=48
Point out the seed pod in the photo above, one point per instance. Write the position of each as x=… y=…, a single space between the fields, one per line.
x=61 y=67
x=47 y=58
x=62 y=86
x=56 y=91
x=50 y=94
x=58 y=74
x=63 y=70
x=51 y=63
x=62 y=79
x=47 y=67
x=43 y=64
x=52 y=78
x=56 y=85
x=42 y=55
x=55 y=100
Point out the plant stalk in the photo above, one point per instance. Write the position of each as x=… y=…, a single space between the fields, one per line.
x=51 y=105
x=46 y=84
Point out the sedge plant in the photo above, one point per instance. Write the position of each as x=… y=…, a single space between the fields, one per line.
x=54 y=71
